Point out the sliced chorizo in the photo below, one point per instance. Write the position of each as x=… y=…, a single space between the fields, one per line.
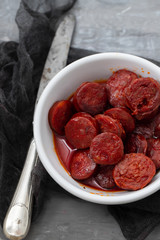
x=149 y=128
x=90 y=97
x=145 y=129
x=135 y=143
x=80 y=131
x=88 y=116
x=116 y=85
x=59 y=114
x=75 y=97
x=104 y=177
x=153 y=151
x=108 y=124
x=157 y=131
x=143 y=97
x=82 y=166
x=106 y=149
x=122 y=115
x=134 y=172
x=156 y=125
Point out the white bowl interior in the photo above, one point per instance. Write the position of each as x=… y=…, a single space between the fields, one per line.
x=95 y=67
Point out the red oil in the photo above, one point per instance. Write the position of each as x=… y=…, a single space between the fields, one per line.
x=65 y=152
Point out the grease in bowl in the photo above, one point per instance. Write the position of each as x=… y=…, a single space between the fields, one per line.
x=66 y=82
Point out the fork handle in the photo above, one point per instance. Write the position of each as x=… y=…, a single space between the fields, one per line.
x=18 y=217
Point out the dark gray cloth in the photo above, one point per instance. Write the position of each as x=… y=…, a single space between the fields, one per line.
x=21 y=66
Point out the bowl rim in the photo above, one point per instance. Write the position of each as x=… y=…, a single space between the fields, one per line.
x=110 y=200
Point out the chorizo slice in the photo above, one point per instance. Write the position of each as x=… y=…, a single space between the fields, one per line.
x=149 y=129
x=153 y=151
x=104 y=177
x=59 y=114
x=156 y=125
x=75 y=103
x=134 y=172
x=106 y=149
x=108 y=124
x=90 y=97
x=80 y=131
x=116 y=85
x=157 y=130
x=88 y=116
x=123 y=116
x=143 y=97
x=145 y=129
x=135 y=143
x=82 y=166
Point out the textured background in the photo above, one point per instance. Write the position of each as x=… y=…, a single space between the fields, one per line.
x=130 y=26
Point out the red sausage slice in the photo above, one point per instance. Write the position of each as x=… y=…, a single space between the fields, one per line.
x=80 y=131
x=75 y=97
x=108 y=124
x=150 y=128
x=106 y=149
x=156 y=125
x=135 y=143
x=143 y=97
x=157 y=131
x=123 y=116
x=145 y=129
x=88 y=116
x=153 y=151
x=59 y=114
x=104 y=177
x=134 y=172
x=116 y=85
x=82 y=166
x=91 y=98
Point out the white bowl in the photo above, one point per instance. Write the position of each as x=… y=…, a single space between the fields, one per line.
x=95 y=67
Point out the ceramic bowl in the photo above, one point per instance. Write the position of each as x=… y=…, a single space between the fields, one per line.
x=95 y=67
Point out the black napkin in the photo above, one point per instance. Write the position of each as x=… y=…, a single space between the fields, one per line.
x=21 y=67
